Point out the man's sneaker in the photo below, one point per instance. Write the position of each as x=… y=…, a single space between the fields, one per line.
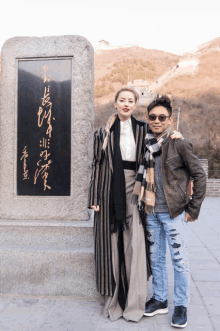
x=154 y=307
x=179 y=319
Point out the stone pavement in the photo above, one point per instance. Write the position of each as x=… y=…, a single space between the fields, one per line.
x=74 y=314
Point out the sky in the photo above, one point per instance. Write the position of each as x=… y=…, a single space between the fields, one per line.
x=168 y=25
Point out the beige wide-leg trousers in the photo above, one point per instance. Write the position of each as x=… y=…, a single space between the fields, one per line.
x=135 y=260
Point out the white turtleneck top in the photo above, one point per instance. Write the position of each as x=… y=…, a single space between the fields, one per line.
x=127 y=142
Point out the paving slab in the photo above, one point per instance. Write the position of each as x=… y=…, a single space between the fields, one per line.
x=204 y=264
x=197 y=256
x=216 y=322
x=200 y=229
x=197 y=315
x=193 y=240
x=25 y=314
x=144 y=324
x=206 y=275
x=211 y=241
x=4 y=302
x=188 y=328
x=213 y=306
x=209 y=289
x=195 y=297
x=216 y=254
x=73 y=315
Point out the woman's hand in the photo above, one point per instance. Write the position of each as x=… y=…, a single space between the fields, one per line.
x=96 y=208
x=176 y=135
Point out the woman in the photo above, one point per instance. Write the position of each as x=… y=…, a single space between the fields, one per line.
x=121 y=252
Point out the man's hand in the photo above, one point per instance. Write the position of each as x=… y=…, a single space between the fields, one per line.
x=189 y=218
x=96 y=208
x=176 y=135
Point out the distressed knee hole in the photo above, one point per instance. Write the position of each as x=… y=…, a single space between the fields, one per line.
x=175 y=245
x=177 y=260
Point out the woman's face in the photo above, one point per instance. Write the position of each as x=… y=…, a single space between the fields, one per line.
x=125 y=105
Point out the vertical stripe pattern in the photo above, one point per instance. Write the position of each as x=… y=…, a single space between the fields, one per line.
x=99 y=194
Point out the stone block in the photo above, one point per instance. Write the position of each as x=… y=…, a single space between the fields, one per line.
x=73 y=207
x=50 y=271
x=46 y=234
x=46 y=241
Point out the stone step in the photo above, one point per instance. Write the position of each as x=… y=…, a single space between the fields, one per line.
x=47 y=234
x=31 y=270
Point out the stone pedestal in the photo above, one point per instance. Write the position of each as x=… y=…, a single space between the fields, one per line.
x=46 y=242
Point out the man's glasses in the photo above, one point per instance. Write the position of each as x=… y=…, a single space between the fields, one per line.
x=161 y=118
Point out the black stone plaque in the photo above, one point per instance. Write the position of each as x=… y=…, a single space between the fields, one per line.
x=44 y=127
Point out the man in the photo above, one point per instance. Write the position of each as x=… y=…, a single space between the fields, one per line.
x=161 y=185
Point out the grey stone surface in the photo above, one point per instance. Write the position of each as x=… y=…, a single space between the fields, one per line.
x=216 y=322
x=47 y=258
x=213 y=306
x=194 y=241
x=73 y=315
x=216 y=254
x=61 y=313
x=209 y=289
x=47 y=234
x=46 y=243
x=47 y=271
x=202 y=265
x=197 y=256
x=21 y=315
x=73 y=207
x=37 y=313
x=206 y=275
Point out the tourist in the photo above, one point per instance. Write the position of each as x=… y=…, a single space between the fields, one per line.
x=161 y=187
x=121 y=254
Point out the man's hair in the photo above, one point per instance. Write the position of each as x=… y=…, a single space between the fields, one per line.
x=161 y=100
x=136 y=96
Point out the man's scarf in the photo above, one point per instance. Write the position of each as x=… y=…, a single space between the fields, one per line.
x=145 y=188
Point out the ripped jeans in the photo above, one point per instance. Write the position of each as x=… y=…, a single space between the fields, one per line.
x=162 y=229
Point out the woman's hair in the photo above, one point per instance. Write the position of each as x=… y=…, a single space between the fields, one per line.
x=161 y=100
x=129 y=89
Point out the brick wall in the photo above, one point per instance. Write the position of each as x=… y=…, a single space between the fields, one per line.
x=205 y=165
x=212 y=184
x=213 y=187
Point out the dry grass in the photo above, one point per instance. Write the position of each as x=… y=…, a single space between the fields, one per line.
x=205 y=79
x=113 y=68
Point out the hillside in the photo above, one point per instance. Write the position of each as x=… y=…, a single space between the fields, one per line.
x=205 y=78
x=115 y=67
x=209 y=45
x=197 y=94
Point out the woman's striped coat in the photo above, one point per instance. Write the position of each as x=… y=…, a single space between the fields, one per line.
x=99 y=194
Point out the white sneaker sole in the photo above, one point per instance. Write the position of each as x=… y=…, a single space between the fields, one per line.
x=159 y=311
x=179 y=326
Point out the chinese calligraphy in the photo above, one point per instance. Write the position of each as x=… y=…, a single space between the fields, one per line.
x=24 y=158
x=44 y=113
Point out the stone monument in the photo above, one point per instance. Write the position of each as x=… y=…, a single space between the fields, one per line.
x=46 y=137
